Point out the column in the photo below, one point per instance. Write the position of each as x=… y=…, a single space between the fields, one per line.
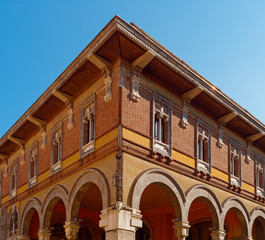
x=120 y=222
x=181 y=229
x=71 y=230
x=218 y=234
x=44 y=234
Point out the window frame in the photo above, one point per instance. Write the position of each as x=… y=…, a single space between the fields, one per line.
x=32 y=180
x=202 y=164
x=259 y=163
x=87 y=110
x=56 y=166
x=164 y=113
x=234 y=180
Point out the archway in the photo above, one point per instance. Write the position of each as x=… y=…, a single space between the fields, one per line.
x=160 y=199
x=89 y=195
x=203 y=211
x=235 y=219
x=30 y=223
x=257 y=223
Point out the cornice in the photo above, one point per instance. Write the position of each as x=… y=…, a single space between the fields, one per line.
x=160 y=52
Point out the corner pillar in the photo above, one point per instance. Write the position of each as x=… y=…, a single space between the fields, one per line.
x=44 y=234
x=71 y=230
x=120 y=222
x=218 y=234
x=181 y=229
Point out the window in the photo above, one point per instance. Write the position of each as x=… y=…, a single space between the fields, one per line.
x=203 y=147
x=33 y=160
x=13 y=180
x=88 y=126
x=161 y=126
x=235 y=164
x=56 y=149
x=259 y=177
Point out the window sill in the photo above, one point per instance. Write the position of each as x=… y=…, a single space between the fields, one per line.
x=260 y=192
x=234 y=181
x=56 y=167
x=13 y=193
x=203 y=166
x=161 y=148
x=88 y=147
x=32 y=181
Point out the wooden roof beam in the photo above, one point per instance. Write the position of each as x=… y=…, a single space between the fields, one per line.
x=66 y=98
x=100 y=62
x=143 y=60
x=16 y=140
x=255 y=136
x=38 y=122
x=192 y=93
x=228 y=117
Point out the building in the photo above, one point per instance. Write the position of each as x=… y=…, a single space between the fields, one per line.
x=131 y=143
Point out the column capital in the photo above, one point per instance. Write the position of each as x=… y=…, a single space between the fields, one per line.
x=44 y=234
x=71 y=229
x=181 y=229
x=120 y=217
x=218 y=234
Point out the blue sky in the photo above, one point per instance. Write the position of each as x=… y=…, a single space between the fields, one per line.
x=223 y=40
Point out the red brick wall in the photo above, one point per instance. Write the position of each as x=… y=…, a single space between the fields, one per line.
x=44 y=155
x=183 y=140
x=23 y=171
x=107 y=113
x=247 y=169
x=71 y=138
x=219 y=156
x=137 y=115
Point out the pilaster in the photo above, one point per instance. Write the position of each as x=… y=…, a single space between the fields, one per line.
x=120 y=222
x=218 y=234
x=181 y=229
x=44 y=234
x=71 y=230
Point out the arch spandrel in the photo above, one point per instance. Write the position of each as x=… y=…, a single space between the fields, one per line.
x=82 y=183
x=57 y=193
x=209 y=198
x=163 y=179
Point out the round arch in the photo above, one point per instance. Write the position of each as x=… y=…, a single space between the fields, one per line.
x=241 y=211
x=57 y=193
x=209 y=198
x=163 y=179
x=257 y=212
x=83 y=182
x=32 y=205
